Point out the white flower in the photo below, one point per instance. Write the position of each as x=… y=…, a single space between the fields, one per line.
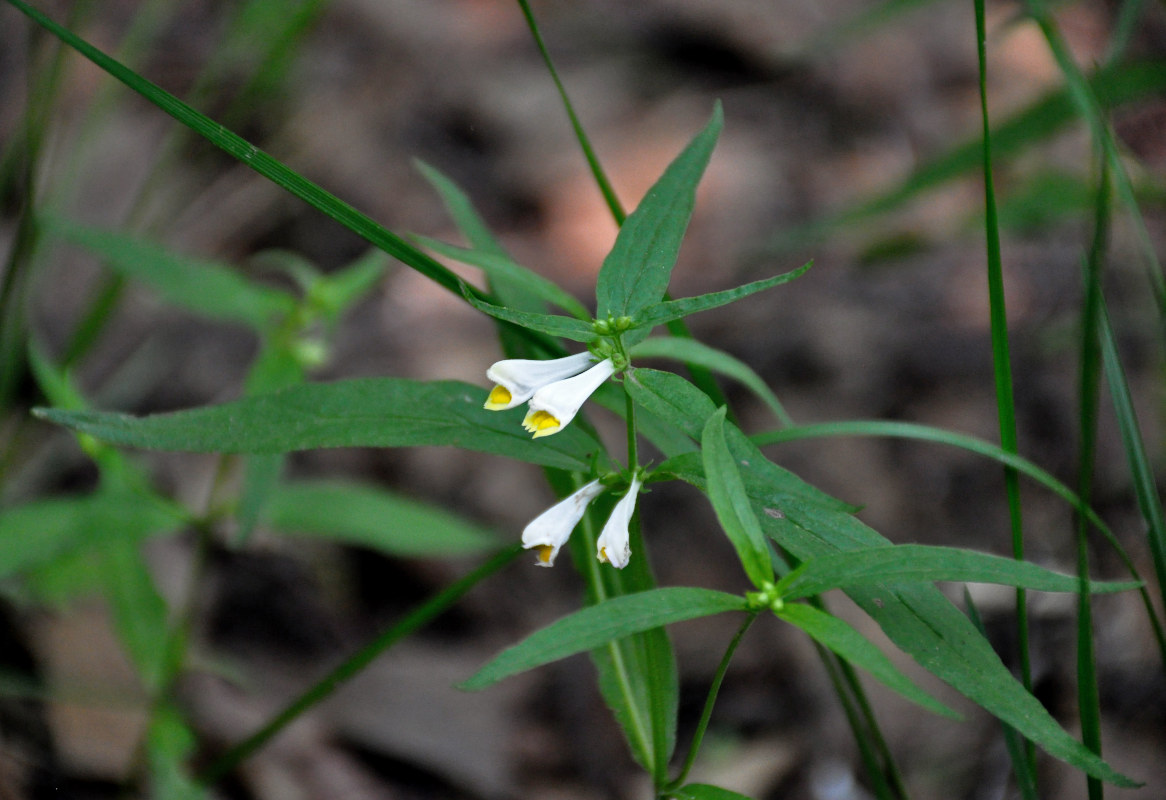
x=517 y=379
x=550 y=530
x=613 y=545
x=556 y=404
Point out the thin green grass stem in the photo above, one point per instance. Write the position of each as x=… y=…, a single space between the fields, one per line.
x=273 y=169
x=710 y=701
x=858 y=726
x=1089 y=107
x=1002 y=362
x=417 y=618
x=605 y=187
x=1089 y=386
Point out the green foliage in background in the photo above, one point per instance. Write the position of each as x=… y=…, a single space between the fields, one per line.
x=794 y=543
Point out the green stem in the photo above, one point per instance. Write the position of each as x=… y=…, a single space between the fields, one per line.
x=1089 y=388
x=707 y=712
x=605 y=188
x=420 y=616
x=1001 y=360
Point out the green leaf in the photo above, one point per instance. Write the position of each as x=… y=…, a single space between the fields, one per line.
x=367 y=412
x=636 y=272
x=599 y=624
x=670 y=398
x=916 y=562
x=207 y=288
x=916 y=617
x=694 y=352
x=703 y=791
x=337 y=291
x=370 y=517
x=727 y=493
x=464 y=215
x=502 y=268
x=553 y=324
x=139 y=613
x=676 y=309
x=836 y=635
x=38 y=532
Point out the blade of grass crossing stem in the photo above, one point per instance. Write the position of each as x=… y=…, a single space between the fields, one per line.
x=701 y=375
x=263 y=163
x=1133 y=443
x=420 y=616
x=1021 y=768
x=1001 y=360
x=1089 y=382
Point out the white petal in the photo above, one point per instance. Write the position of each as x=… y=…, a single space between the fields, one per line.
x=555 y=405
x=613 y=545
x=521 y=377
x=551 y=529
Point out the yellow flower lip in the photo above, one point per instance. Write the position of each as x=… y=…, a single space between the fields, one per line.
x=499 y=399
x=553 y=406
x=540 y=423
x=517 y=379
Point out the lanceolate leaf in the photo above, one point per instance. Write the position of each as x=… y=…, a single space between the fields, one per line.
x=833 y=633
x=727 y=493
x=636 y=272
x=553 y=324
x=37 y=532
x=599 y=624
x=500 y=267
x=205 y=287
x=367 y=412
x=916 y=562
x=916 y=617
x=693 y=352
x=371 y=517
x=676 y=309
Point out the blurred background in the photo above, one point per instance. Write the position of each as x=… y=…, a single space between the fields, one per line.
x=834 y=114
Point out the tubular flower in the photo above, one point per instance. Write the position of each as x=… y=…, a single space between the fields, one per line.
x=550 y=530
x=613 y=545
x=555 y=404
x=517 y=379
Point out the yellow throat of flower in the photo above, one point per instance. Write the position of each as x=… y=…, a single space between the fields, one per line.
x=545 y=551
x=540 y=423
x=499 y=398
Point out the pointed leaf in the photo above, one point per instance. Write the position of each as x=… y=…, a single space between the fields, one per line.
x=565 y=327
x=727 y=493
x=367 y=412
x=676 y=309
x=837 y=635
x=375 y=518
x=636 y=272
x=915 y=562
x=693 y=352
x=501 y=267
x=208 y=288
x=599 y=624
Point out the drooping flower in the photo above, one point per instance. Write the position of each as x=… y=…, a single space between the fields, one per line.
x=517 y=379
x=554 y=405
x=613 y=545
x=550 y=530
